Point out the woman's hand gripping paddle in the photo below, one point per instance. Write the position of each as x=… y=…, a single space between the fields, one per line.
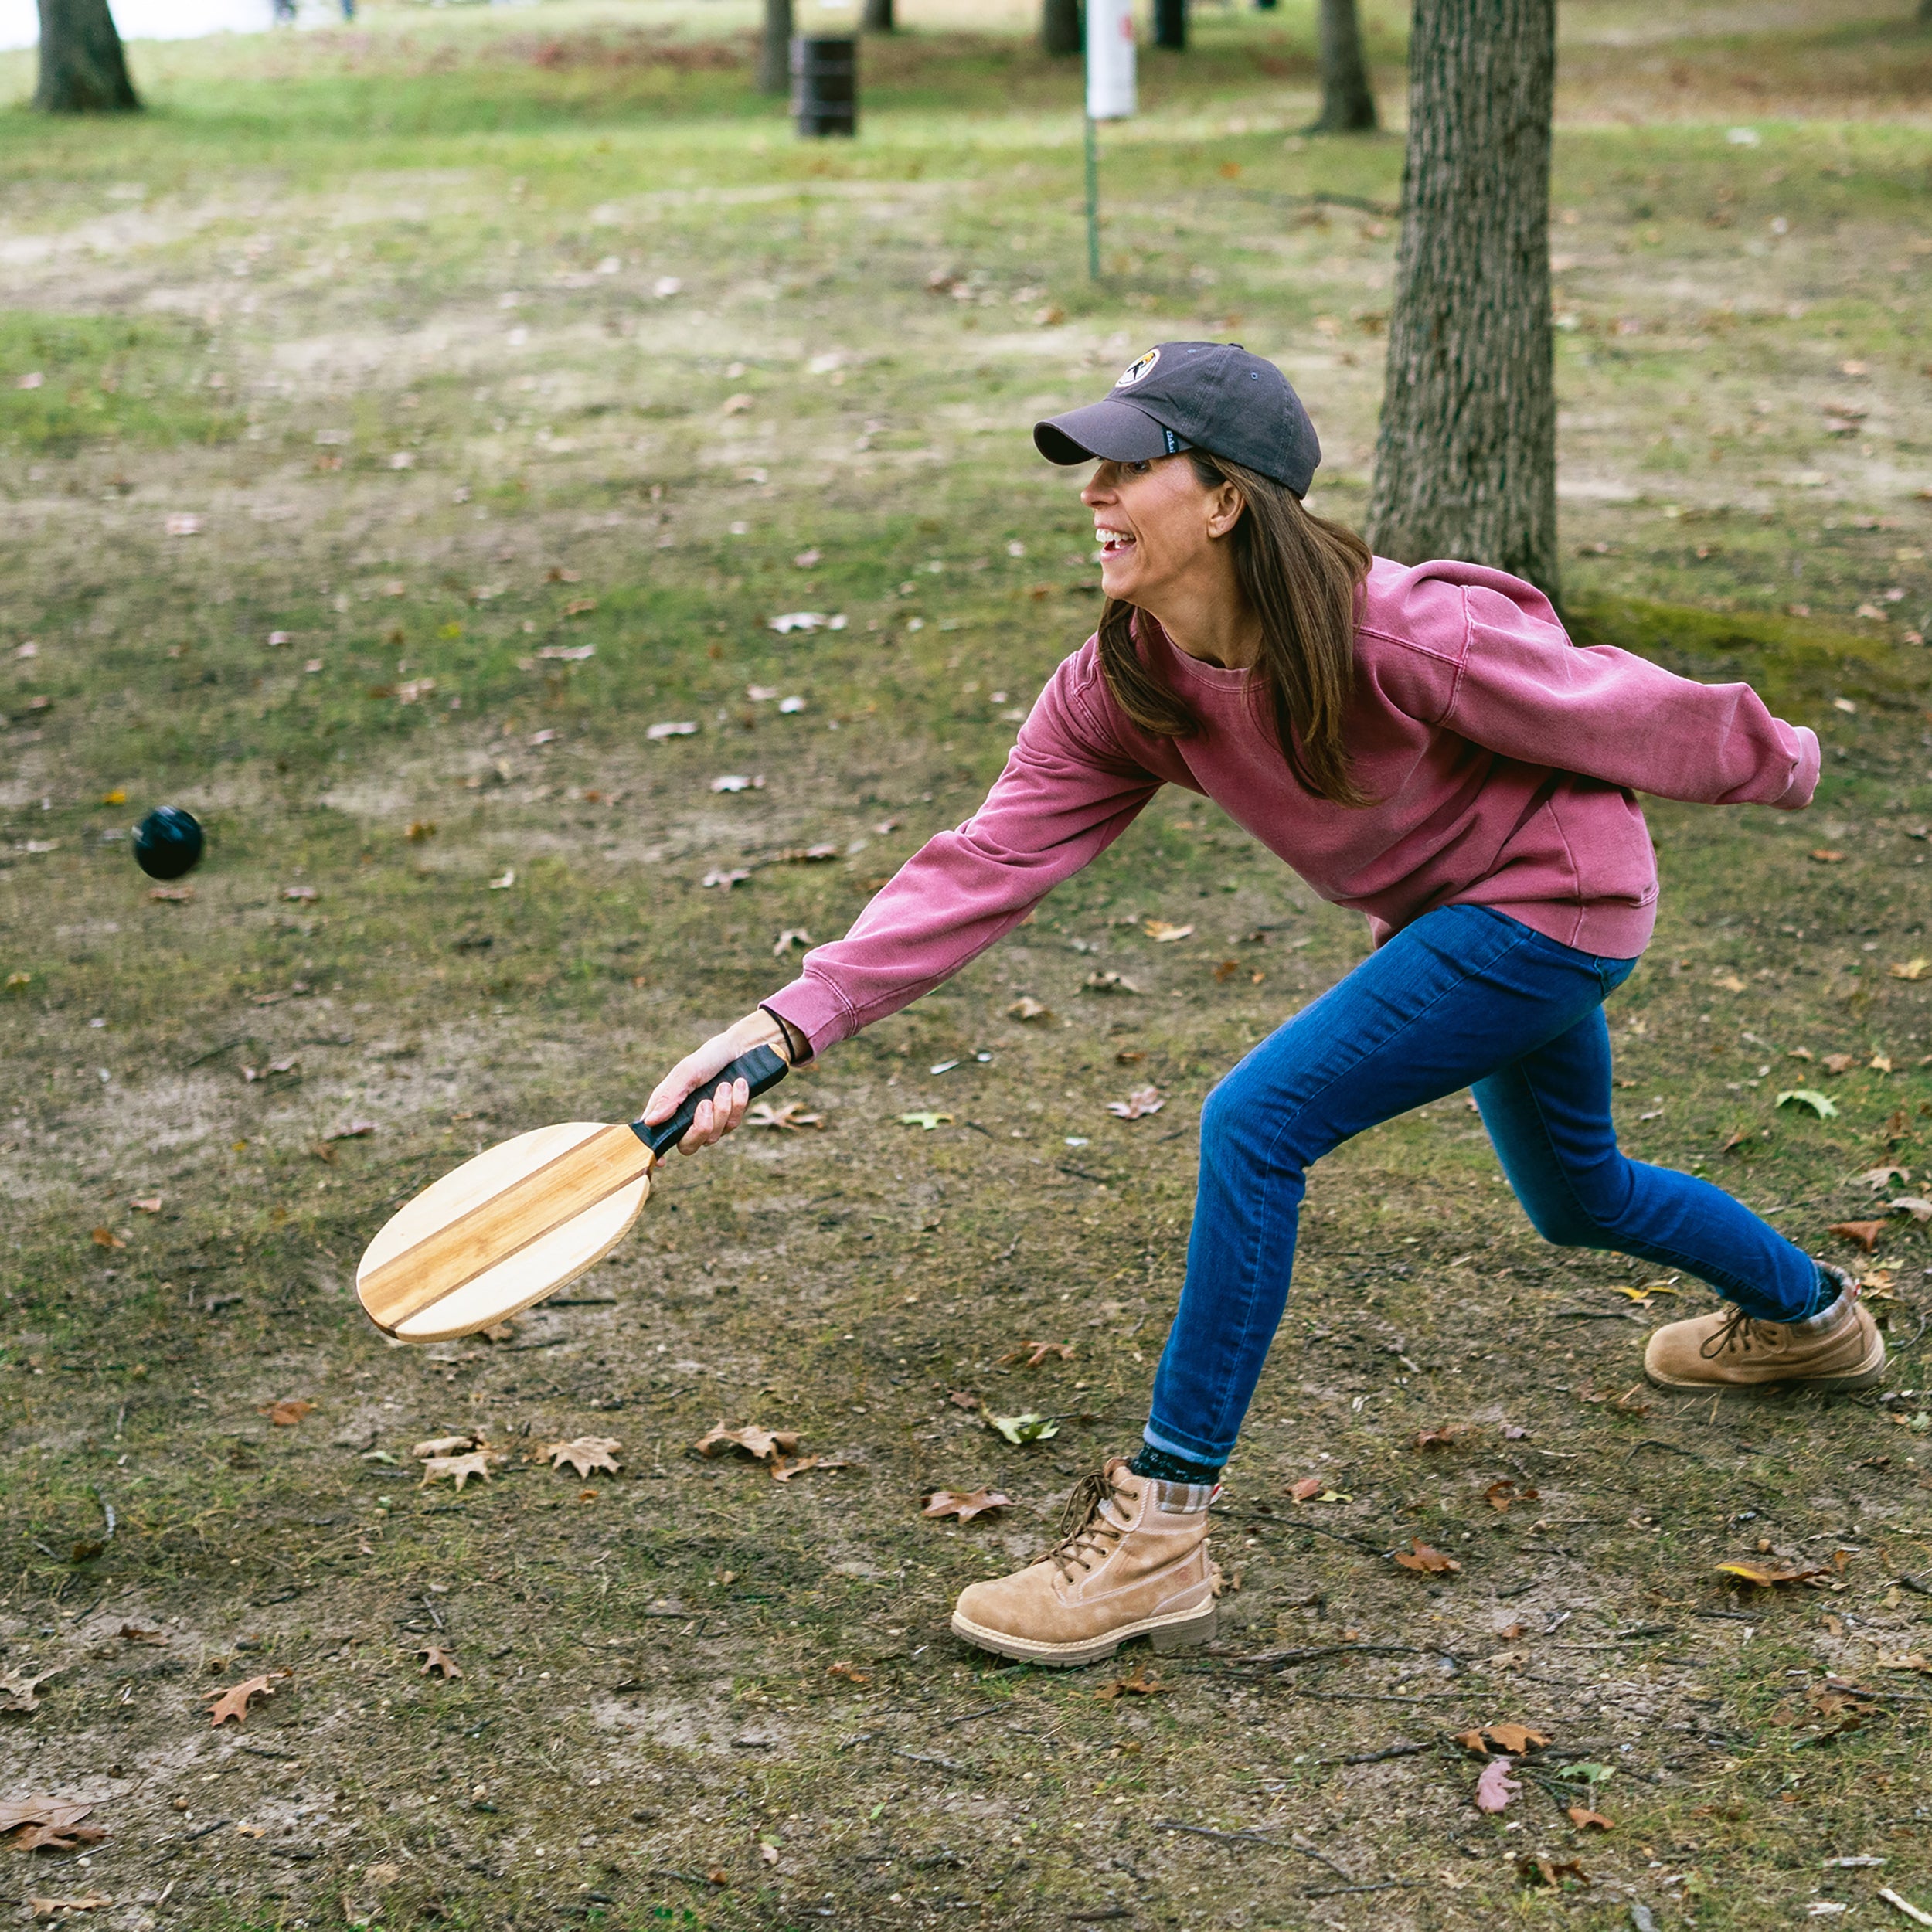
x=524 y=1218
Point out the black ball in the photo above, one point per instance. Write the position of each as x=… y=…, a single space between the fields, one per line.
x=167 y=843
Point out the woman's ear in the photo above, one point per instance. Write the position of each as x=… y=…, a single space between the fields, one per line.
x=1224 y=509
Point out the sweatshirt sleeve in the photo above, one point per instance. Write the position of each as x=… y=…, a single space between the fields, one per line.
x=1066 y=794
x=1523 y=689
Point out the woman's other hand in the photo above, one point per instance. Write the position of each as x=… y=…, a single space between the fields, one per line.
x=722 y=1110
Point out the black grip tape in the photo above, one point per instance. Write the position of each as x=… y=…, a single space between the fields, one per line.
x=760 y=1070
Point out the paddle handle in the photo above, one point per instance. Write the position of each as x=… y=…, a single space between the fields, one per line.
x=760 y=1070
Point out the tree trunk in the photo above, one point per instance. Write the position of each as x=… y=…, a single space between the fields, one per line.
x=82 y=68
x=1348 y=101
x=878 y=17
x=774 y=53
x=1059 y=27
x=1170 y=25
x=1466 y=458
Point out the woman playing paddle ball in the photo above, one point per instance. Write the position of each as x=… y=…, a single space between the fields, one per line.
x=1423 y=743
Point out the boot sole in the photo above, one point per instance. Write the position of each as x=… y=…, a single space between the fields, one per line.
x=1181 y=1631
x=1869 y=1371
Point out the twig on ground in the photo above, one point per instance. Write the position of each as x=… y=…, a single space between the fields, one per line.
x=1254 y=1837
x=1384 y=1885
x=1378 y=1757
x=944 y=1764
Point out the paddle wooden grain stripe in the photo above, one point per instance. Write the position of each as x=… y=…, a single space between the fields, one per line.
x=500 y=1226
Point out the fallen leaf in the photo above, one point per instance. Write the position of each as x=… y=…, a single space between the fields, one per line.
x=1139 y=1682
x=22 y=1686
x=459 y=1469
x=1110 y=983
x=106 y=1238
x=1915 y=968
x=1729 y=981
x=134 y=1633
x=784 y=1468
x=956 y=1502
x=1035 y=1353
x=1436 y=1438
x=1865 y=1233
x=150 y=1204
x=447 y=1445
x=298 y=895
x=1431 y=1561
x=66 y=1837
x=1880 y=1063
x=79 y=1902
x=1539 y=1869
x=1026 y=1008
x=792 y=936
x=736 y=876
x=1516 y=1739
x=1876 y=1177
x=1495 y=1788
x=788 y=1118
x=419 y=829
x=761 y=1443
x=768 y=1852
x=584 y=1454
x=1141 y=1102
x=1502 y=1492
x=435 y=1658
x=1762 y=1574
x=670 y=728
x=1306 y=1488
x=1838 y=1062
x=1917 y=1206
x=1474 y=1741
x=1163 y=934
x=963 y=1398
x=172 y=894
x=355 y=1130
x=53 y=1813
x=928 y=1121
x=1824 y=856
x=287 y=1413
x=1809 y=1097
x=233 y=1702
x=1021 y=1430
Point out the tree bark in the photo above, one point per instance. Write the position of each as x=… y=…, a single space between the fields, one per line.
x=774 y=52
x=878 y=17
x=1348 y=101
x=1466 y=458
x=1059 y=27
x=83 y=70
x=1170 y=25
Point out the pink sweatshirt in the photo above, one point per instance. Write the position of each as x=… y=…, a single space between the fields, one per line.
x=1503 y=758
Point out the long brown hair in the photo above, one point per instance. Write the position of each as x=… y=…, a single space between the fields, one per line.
x=1299 y=573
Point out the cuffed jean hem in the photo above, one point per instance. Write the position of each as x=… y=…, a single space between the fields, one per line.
x=1177 y=1442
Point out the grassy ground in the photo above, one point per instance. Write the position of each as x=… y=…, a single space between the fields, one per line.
x=458 y=345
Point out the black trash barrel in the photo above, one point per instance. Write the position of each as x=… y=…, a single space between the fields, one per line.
x=825 y=83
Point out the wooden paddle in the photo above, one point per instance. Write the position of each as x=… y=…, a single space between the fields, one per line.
x=524 y=1218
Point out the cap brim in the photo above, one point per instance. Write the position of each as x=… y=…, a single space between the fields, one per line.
x=1117 y=431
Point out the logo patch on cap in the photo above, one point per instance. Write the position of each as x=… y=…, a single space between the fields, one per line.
x=1134 y=371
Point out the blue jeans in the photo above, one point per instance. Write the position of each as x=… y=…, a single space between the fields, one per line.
x=1465 y=997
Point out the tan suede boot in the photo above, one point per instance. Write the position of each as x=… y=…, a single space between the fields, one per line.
x=1729 y=1353
x=1131 y=1561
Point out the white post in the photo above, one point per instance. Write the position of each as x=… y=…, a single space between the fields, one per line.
x=1109 y=59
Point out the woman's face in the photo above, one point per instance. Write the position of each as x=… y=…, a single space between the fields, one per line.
x=1156 y=525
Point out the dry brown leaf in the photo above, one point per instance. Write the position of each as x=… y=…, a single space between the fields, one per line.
x=148 y=1204
x=1308 y=1487
x=790 y=1117
x=1824 y=855
x=1430 y=1561
x=1838 y=1062
x=1138 y=1682
x=435 y=1658
x=1583 y=1818
x=1141 y=1102
x=1163 y=934
x=1537 y=1868
x=1502 y=1492
x=965 y=1505
x=106 y=1238
x=459 y=1469
x=65 y=1838
x=22 y=1685
x=1027 y=1007
x=784 y=1467
x=78 y=1902
x=287 y=1413
x=134 y=1633
x=1763 y=1575
x=1865 y=1233
x=1912 y=969
x=1032 y=1354
x=171 y=895
x=849 y=1673
x=1516 y=1739
x=963 y=1398
x=583 y=1453
x=1436 y=1438
x=759 y=1444
x=56 y=1813
x=233 y=1702
x=447 y=1445
x=1474 y=1741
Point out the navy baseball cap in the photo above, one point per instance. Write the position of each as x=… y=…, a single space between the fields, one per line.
x=1213 y=396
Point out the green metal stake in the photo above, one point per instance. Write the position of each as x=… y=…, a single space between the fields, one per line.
x=1092 y=204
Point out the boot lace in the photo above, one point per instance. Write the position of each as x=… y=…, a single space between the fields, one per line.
x=1740 y=1330
x=1086 y=1532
